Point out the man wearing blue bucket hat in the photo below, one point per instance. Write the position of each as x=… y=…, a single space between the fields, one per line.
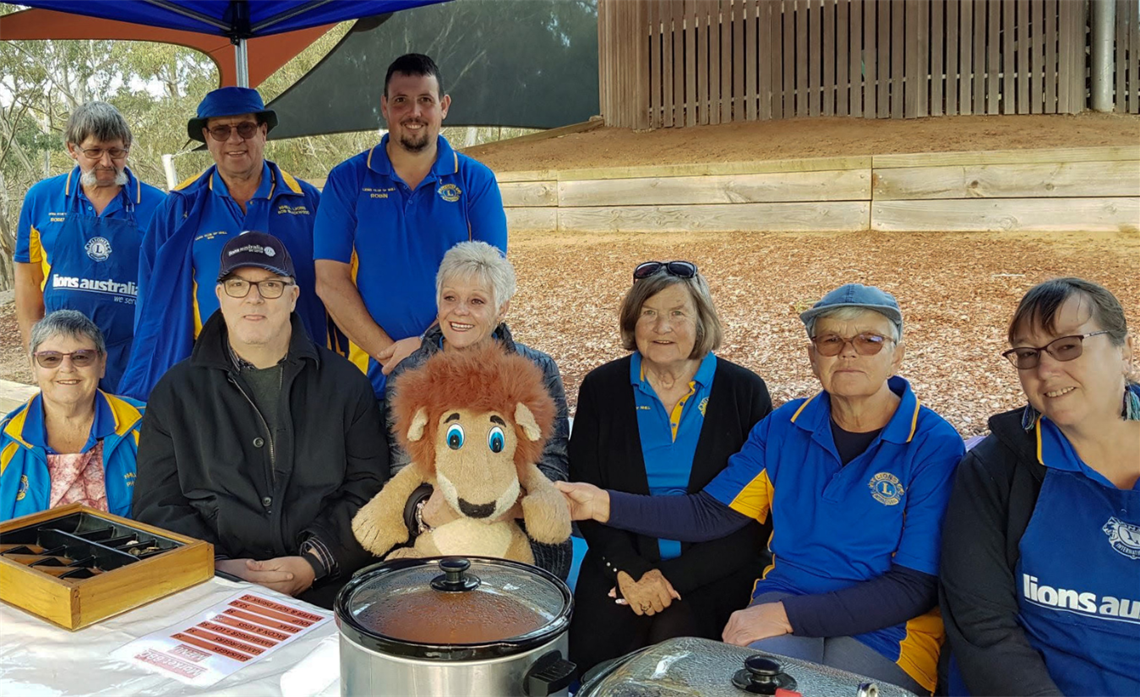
x=178 y=262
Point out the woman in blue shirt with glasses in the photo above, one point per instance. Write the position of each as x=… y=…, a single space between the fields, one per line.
x=1041 y=560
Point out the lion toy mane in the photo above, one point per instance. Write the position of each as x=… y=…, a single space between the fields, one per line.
x=474 y=424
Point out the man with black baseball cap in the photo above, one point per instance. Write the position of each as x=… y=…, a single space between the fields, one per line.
x=178 y=260
x=262 y=442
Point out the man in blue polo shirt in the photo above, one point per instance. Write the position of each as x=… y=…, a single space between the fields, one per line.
x=181 y=252
x=77 y=242
x=856 y=480
x=389 y=214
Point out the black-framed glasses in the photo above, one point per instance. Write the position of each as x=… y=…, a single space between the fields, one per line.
x=1064 y=349
x=680 y=269
x=53 y=359
x=97 y=153
x=270 y=289
x=865 y=344
x=245 y=130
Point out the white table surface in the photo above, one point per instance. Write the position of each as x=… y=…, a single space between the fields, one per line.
x=39 y=658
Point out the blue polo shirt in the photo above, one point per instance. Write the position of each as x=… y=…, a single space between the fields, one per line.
x=1083 y=618
x=669 y=439
x=49 y=200
x=836 y=525
x=394 y=238
x=290 y=219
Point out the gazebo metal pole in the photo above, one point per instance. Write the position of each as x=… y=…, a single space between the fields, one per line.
x=1102 y=21
x=241 y=62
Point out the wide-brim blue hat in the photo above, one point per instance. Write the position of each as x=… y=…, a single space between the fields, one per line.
x=229 y=101
x=861 y=296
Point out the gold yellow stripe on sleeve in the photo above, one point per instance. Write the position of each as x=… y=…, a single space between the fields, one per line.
x=755 y=500
x=35 y=247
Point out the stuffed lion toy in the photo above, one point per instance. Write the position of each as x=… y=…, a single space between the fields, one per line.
x=474 y=424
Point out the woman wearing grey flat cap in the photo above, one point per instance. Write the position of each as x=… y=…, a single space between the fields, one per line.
x=856 y=480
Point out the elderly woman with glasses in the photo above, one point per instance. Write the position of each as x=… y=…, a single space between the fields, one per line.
x=71 y=443
x=854 y=481
x=1041 y=561
x=662 y=421
x=474 y=287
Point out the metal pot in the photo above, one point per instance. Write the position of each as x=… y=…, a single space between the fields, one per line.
x=454 y=626
x=690 y=666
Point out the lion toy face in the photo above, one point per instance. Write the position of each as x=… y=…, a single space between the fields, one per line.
x=474 y=463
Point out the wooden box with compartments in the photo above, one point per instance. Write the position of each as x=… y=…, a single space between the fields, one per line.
x=75 y=566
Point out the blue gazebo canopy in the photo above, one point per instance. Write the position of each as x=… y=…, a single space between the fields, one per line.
x=236 y=19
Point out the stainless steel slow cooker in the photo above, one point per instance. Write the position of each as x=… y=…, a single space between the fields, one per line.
x=475 y=626
x=704 y=668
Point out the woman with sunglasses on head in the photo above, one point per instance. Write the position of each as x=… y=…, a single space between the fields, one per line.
x=854 y=483
x=72 y=442
x=1041 y=561
x=662 y=421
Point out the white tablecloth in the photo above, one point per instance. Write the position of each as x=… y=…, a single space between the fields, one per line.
x=39 y=658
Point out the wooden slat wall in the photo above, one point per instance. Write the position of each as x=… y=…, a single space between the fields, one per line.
x=1127 y=63
x=665 y=63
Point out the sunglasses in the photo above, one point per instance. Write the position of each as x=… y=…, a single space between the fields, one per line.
x=53 y=359
x=865 y=344
x=245 y=130
x=1064 y=349
x=680 y=269
x=239 y=288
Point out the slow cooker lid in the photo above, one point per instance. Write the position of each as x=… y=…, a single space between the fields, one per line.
x=490 y=601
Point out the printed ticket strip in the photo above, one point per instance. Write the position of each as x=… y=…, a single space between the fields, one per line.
x=208 y=647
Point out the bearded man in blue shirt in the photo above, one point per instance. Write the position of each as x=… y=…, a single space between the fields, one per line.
x=181 y=251
x=389 y=214
x=77 y=242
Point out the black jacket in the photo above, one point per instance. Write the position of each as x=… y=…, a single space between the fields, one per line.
x=995 y=494
x=605 y=450
x=208 y=469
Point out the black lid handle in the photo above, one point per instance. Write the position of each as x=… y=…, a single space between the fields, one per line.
x=455 y=578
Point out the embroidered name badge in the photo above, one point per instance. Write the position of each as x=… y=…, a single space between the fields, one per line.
x=703 y=405
x=450 y=192
x=886 y=488
x=1124 y=537
x=98 y=248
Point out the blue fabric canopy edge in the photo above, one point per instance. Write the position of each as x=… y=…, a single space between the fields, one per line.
x=237 y=19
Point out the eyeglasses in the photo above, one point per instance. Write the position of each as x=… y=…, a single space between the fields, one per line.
x=1064 y=349
x=680 y=269
x=239 y=288
x=245 y=130
x=80 y=359
x=97 y=153
x=865 y=344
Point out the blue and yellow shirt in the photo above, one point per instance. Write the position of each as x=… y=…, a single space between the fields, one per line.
x=1084 y=618
x=394 y=238
x=669 y=439
x=25 y=483
x=49 y=201
x=836 y=525
x=288 y=217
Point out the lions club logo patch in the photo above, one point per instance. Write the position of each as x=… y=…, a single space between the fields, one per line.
x=886 y=488
x=1124 y=537
x=22 y=490
x=450 y=192
x=98 y=248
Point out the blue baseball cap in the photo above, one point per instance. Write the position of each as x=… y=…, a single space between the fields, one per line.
x=858 y=295
x=258 y=249
x=229 y=101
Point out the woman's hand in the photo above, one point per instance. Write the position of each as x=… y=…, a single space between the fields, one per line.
x=586 y=501
x=756 y=623
x=648 y=596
